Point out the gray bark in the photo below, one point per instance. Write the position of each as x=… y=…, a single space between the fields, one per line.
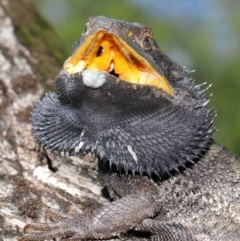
x=27 y=185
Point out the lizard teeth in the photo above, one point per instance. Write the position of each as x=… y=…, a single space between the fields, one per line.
x=111 y=67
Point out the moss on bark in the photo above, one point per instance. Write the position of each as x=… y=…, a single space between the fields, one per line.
x=38 y=36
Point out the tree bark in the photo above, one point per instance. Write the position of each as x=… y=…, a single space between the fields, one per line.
x=32 y=180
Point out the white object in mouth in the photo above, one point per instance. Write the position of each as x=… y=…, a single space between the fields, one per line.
x=93 y=79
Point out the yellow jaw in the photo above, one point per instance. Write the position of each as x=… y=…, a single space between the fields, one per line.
x=104 y=51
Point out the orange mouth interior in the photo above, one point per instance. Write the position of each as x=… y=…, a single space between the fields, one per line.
x=105 y=52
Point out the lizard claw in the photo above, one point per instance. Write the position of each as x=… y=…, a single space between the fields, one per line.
x=56 y=215
x=72 y=227
x=32 y=227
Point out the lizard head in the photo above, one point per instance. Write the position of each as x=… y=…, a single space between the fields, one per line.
x=120 y=49
x=119 y=97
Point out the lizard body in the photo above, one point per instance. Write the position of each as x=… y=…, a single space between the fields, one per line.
x=122 y=99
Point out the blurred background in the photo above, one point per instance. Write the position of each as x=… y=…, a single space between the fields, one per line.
x=203 y=35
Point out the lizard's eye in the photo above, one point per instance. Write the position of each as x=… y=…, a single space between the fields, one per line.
x=147 y=43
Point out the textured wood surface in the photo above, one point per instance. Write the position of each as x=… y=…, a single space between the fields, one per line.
x=31 y=180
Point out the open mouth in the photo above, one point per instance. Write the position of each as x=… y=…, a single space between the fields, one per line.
x=105 y=52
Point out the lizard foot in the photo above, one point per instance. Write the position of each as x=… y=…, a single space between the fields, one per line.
x=109 y=221
x=70 y=226
x=56 y=215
